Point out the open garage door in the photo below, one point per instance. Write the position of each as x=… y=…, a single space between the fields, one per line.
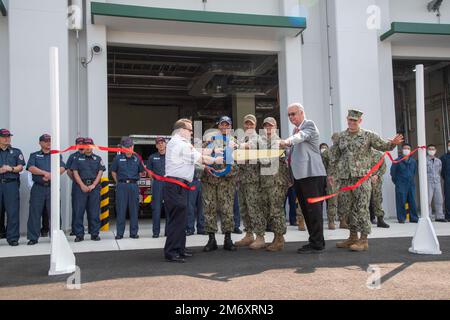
x=437 y=100
x=149 y=89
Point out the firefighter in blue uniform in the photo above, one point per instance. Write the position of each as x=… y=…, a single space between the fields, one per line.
x=126 y=171
x=11 y=164
x=87 y=170
x=445 y=159
x=39 y=165
x=403 y=176
x=79 y=152
x=157 y=164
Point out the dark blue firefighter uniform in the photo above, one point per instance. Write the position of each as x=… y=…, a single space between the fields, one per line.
x=88 y=168
x=157 y=163
x=68 y=166
x=127 y=191
x=9 y=191
x=403 y=175
x=291 y=197
x=446 y=176
x=40 y=193
x=195 y=206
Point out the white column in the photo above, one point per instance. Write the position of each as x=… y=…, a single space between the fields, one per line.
x=290 y=69
x=387 y=100
x=425 y=240
x=4 y=72
x=34 y=26
x=97 y=85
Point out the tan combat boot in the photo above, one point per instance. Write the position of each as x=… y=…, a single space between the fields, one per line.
x=361 y=245
x=246 y=241
x=331 y=225
x=259 y=243
x=301 y=224
x=350 y=241
x=343 y=223
x=277 y=243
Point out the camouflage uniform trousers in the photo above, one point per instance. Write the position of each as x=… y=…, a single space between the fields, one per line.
x=218 y=197
x=249 y=201
x=340 y=208
x=376 y=200
x=332 y=204
x=355 y=204
x=272 y=205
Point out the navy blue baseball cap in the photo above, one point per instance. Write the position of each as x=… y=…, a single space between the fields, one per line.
x=126 y=142
x=79 y=140
x=5 y=133
x=45 y=137
x=225 y=119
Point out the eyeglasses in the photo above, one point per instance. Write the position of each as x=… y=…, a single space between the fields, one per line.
x=292 y=114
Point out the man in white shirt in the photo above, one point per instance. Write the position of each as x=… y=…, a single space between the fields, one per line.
x=181 y=157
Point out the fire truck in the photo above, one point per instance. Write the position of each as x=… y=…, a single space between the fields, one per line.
x=144 y=145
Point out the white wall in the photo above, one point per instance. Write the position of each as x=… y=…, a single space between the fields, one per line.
x=315 y=69
x=97 y=86
x=364 y=73
x=416 y=11
x=387 y=102
x=267 y=7
x=4 y=72
x=36 y=26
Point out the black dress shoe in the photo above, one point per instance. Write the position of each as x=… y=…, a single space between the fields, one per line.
x=44 y=234
x=441 y=220
x=136 y=236
x=307 y=249
x=2 y=235
x=79 y=239
x=95 y=238
x=72 y=233
x=186 y=254
x=189 y=233
x=413 y=221
x=118 y=237
x=177 y=259
x=237 y=231
x=13 y=243
x=32 y=242
x=401 y=221
x=203 y=233
x=155 y=236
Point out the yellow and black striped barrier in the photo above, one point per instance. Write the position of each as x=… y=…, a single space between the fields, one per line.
x=104 y=205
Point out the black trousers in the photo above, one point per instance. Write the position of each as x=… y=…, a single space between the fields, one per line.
x=313 y=213
x=2 y=221
x=175 y=204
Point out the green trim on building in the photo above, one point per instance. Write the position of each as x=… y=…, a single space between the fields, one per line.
x=139 y=12
x=3 y=9
x=417 y=28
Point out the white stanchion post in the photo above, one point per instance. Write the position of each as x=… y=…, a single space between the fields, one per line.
x=425 y=240
x=62 y=259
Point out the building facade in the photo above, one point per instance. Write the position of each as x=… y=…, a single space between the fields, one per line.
x=328 y=54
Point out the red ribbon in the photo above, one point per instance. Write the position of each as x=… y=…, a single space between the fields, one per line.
x=107 y=149
x=367 y=176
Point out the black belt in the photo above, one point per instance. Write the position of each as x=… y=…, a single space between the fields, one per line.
x=8 y=180
x=88 y=182
x=179 y=179
x=128 y=181
x=44 y=184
